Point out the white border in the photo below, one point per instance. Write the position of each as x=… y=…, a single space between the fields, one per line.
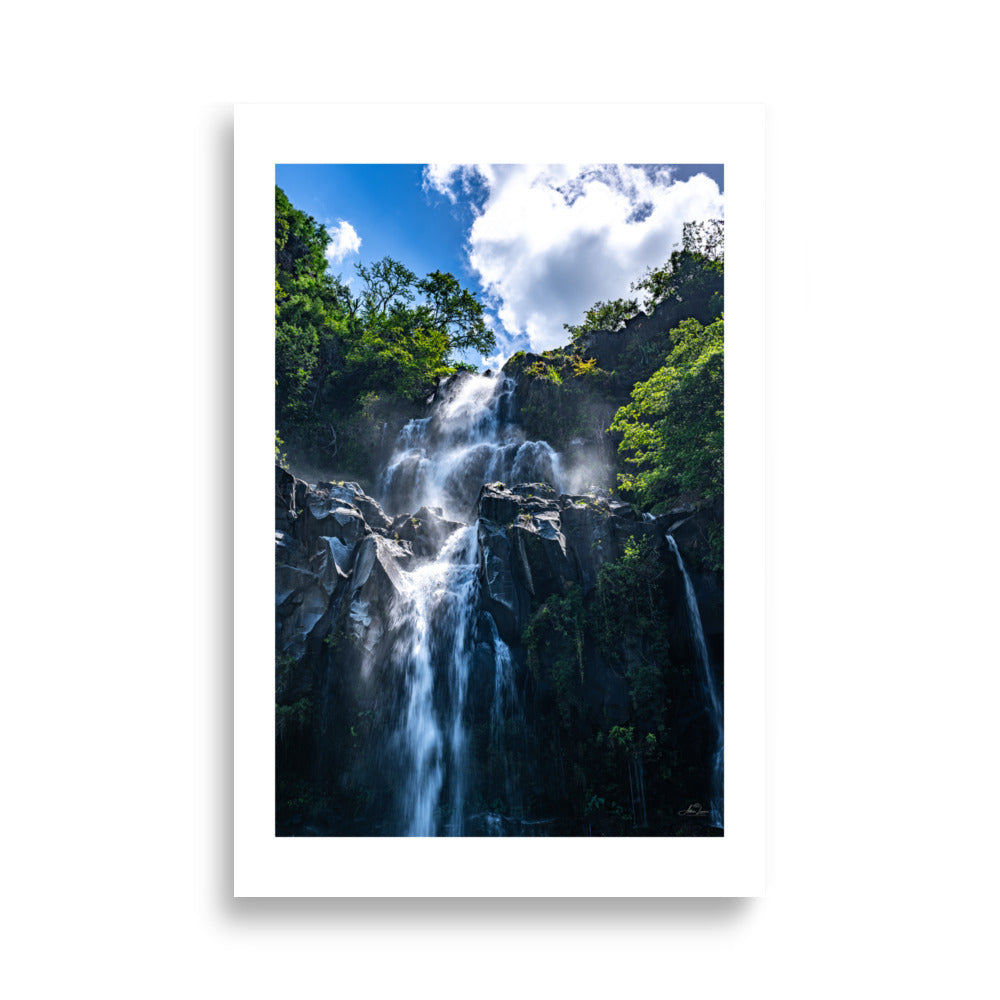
x=265 y=865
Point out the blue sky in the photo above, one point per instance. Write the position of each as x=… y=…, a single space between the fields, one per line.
x=538 y=244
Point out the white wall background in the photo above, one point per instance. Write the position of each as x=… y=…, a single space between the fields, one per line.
x=881 y=524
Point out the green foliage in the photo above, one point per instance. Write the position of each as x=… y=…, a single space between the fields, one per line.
x=632 y=625
x=611 y=316
x=456 y=312
x=292 y=718
x=555 y=639
x=333 y=350
x=672 y=430
x=393 y=354
x=388 y=286
x=280 y=457
x=540 y=369
x=585 y=367
x=310 y=312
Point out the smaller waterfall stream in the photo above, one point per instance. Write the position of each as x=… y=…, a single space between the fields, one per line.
x=713 y=703
x=506 y=720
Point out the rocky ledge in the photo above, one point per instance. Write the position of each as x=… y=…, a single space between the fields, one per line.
x=339 y=558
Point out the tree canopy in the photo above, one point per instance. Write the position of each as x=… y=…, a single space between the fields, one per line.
x=336 y=350
x=672 y=430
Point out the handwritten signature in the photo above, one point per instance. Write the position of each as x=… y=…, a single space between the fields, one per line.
x=694 y=810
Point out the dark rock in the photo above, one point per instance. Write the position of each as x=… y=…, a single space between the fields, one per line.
x=499 y=504
x=609 y=347
x=301 y=602
x=500 y=594
x=328 y=517
x=690 y=530
x=373 y=514
x=352 y=495
x=427 y=530
x=289 y=497
x=605 y=691
x=534 y=490
x=332 y=562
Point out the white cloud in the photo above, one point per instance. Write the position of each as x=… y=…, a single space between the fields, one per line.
x=440 y=177
x=344 y=241
x=550 y=241
x=450 y=179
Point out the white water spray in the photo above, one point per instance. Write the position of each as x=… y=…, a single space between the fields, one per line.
x=469 y=440
x=433 y=626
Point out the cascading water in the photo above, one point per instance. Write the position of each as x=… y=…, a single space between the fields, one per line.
x=432 y=622
x=440 y=463
x=442 y=460
x=713 y=703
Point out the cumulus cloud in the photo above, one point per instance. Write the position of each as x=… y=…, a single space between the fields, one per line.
x=343 y=241
x=550 y=241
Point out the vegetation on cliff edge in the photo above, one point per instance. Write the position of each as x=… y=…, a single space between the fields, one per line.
x=346 y=361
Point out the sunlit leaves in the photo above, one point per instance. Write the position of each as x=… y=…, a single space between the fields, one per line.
x=395 y=336
x=610 y=316
x=672 y=430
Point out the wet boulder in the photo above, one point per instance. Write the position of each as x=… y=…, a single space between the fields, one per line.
x=541 y=554
x=426 y=530
x=330 y=517
x=376 y=581
x=499 y=504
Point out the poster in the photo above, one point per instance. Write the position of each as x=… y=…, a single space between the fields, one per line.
x=440 y=144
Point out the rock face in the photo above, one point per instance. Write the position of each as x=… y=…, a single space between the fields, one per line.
x=347 y=573
x=535 y=544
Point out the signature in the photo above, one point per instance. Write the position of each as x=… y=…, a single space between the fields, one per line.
x=694 y=810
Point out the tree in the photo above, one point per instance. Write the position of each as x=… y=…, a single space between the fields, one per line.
x=335 y=352
x=693 y=276
x=611 y=316
x=309 y=305
x=388 y=284
x=672 y=430
x=401 y=345
x=457 y=312
x=300 y=243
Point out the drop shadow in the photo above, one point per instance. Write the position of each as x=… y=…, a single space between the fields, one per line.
x=219 y=810
x=512 y=914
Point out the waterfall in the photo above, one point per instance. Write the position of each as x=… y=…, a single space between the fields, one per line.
x=441 y=462
x=435 y=682
x=712 y=702
x=432 y=622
